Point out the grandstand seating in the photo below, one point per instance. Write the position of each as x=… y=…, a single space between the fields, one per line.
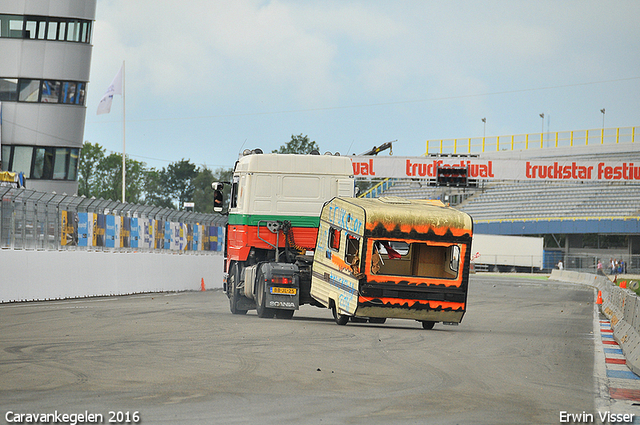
x=536 y=200
x=532 y=200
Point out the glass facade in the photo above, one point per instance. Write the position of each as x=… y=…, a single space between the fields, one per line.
x=42 y=91
x=40 y=162
x=30 y=152
x=45 y=28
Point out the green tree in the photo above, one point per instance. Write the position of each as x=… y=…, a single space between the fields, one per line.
x=91 y=155
x=156 y=188
x=298 y=144
x=180 y=177
x=109 y=179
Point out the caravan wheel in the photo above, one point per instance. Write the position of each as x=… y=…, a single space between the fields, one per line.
x=340 y=319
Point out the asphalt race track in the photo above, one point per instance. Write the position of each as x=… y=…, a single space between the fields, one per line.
x=523 y=353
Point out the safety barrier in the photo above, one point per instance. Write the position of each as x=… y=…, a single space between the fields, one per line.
x=33 y=220
x=534 y=141
x=622 y=308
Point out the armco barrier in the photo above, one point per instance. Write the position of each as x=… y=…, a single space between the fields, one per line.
x=622 y=308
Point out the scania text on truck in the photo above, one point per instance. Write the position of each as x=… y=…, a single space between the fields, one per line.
x=297 y=235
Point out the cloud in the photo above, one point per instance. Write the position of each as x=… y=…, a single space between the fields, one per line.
x=212 y=58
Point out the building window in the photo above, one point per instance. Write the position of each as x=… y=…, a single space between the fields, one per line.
x=45 y=28
x=29 y=91
x=50 y=91
x=42 y=163
x=60 y=164
x=8 y=89
x=6 y=156
x=74 y=155
x=21 y=161
x=52 y=32
x=45 y=91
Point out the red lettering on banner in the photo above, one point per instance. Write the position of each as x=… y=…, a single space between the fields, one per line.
x=413 y=169
x=621 y=172
x=504 y=169
x=363 y=168
x=556 y=171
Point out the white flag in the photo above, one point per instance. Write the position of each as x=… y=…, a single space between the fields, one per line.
x=104 y=107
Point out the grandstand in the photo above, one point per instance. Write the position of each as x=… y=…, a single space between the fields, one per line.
x=583 y=221
x=547 y=200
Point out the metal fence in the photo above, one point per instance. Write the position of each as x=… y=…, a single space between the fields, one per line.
x=625 y=264
x=583 y=263
x=33 y=220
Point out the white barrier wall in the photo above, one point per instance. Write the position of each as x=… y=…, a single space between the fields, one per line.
x=622 y=308
x=45 y=275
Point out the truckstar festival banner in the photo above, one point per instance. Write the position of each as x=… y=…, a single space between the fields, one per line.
x=483 y=169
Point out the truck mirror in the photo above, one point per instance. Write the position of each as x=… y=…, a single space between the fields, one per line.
x=218 y=199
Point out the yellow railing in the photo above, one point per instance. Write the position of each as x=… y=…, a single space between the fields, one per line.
x=534 y=141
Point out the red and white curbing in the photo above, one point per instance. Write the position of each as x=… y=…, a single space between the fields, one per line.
x=623 y=385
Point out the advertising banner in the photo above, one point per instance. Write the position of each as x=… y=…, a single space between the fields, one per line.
x=196 y=237
x=125 y=232
x=167 y=235
x=99 y=229
x=69 y=228
x=147 y=232
x=158 y=234
x=220 y=238
x=134 y=237
x=213 y=238
x=110 y=232
x=85 y=229
x=500 y=169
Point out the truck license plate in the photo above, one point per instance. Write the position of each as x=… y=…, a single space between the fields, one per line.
x=289 y=291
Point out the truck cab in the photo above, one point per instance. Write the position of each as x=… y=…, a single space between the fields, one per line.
x=274 y=213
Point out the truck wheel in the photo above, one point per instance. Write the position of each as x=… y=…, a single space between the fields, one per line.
x=340 y=319
x=284 y=314
x=263 y=310
x=426 y=324
x=234 y=293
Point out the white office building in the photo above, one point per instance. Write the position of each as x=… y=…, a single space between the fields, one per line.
x=45 y=51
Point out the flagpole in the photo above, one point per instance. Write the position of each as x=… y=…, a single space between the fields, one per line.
x=123 y=136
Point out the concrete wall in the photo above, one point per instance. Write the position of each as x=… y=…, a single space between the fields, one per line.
x=46 y=275
x=622 y=308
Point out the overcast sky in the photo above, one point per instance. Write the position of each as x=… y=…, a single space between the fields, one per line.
x=205 y=79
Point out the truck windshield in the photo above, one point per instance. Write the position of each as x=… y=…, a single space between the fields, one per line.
x=419 y=259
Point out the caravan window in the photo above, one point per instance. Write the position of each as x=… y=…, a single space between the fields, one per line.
x=334 y=238
x=419 y=259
